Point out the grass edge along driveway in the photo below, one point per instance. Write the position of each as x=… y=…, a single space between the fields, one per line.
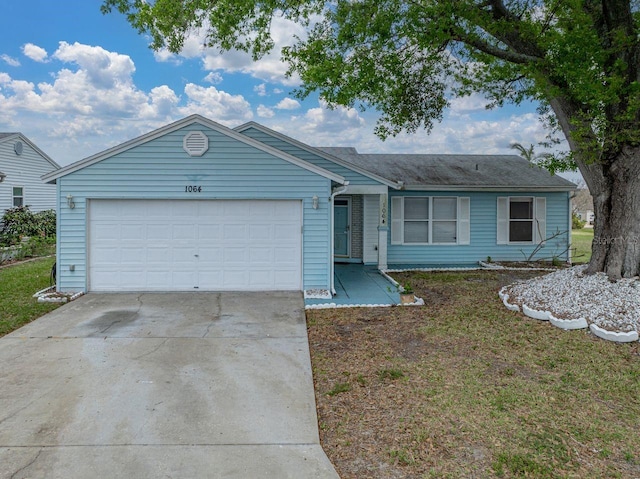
x=18 y=283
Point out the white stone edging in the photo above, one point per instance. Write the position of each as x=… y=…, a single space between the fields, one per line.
x=50 y=295
x=579 y=323
x=317 y=294
x=535 y=313
x=505 y=300
x=627 y=337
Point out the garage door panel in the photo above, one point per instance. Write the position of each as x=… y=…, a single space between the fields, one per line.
x=157 y=232
x=165 y=245
x=234 y=232
x=209 y=232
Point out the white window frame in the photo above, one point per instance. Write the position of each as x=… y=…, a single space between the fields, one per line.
x=539 y=212
x=532 y=220
x=14 y=196
x=398 y=221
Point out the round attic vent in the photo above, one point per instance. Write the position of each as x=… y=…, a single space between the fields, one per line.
x=17 y=147
x=195 y=143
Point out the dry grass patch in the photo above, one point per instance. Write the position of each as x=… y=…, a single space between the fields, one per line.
x=464 y=388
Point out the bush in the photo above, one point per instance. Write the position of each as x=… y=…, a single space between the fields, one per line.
x=576 y=222
x=20 y=221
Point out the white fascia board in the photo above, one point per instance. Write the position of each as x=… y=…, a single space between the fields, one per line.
x=315 y=151
x=181 y=124
x=489 y=188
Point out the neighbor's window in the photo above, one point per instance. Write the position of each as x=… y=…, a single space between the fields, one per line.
x=18 y=196
x=416 y=220
x=520 y=220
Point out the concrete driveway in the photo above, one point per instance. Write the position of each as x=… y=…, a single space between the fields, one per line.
x=184 y=385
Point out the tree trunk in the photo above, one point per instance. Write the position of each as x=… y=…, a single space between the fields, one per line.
x=615 y=187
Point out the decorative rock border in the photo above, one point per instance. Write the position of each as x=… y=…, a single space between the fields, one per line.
x=505 y=300
x=317 y=294
x=50 y=295
x=494 y=266
x=612 y=335
x=568 y=324
x=536 y=313
x=579 y=323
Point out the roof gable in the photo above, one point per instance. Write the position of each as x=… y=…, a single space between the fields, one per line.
x=190 y=120
x=6 y=137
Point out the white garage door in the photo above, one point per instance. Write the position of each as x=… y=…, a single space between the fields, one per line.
x=194 y=245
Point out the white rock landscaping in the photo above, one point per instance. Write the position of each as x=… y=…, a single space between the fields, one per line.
x=570 y=299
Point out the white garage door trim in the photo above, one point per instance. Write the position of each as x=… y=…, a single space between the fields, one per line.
x=194 y=245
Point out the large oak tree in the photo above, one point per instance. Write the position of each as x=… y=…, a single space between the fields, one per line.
x=578 y=59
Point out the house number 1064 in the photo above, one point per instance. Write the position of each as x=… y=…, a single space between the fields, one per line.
x=193 y=189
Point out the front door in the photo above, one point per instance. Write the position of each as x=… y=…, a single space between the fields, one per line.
x=342 y=227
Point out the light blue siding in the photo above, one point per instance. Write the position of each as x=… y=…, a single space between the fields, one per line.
x=353 y=177
x=483 y=233
x=160 y=169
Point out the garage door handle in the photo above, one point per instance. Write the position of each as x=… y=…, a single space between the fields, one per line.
x=196 y=255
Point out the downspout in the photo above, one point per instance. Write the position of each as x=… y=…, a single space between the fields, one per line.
x=336 y=191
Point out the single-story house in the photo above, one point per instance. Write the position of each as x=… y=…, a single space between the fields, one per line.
x=21 y=165
x=196 y=206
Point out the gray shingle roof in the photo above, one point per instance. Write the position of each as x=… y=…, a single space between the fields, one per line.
x=420 y=171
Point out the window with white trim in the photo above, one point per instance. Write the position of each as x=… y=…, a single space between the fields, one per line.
x=521 y=219
x=18 y=196
x=421 y=220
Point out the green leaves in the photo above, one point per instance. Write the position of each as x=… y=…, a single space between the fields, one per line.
x=408 y=59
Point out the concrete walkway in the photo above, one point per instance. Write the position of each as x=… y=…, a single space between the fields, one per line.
x=183 y=385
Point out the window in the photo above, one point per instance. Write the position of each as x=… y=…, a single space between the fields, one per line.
x=521 y=219
x=416 y=220
x=429 y=220
x=18 y=196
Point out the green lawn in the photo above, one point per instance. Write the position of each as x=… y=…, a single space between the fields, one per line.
x=581 y=241
x=17 y=285
x=461 y=387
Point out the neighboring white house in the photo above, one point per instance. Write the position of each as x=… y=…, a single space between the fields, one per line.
x=21 y=165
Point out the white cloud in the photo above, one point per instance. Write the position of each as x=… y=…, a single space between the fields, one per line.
x=270 y=68
x=92 y=103
x=215 y=104
x=13 y=62
x=34 y=52
x=474 y=102
x=214 y=78
x=265 y=112
x=261 y=89
x=287 y=104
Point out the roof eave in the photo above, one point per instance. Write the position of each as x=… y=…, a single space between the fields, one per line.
x=489 y=188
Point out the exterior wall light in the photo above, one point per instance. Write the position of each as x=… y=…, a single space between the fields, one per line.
x=315 y=202
x=70 y=202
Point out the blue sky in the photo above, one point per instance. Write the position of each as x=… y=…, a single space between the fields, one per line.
x=76 y=82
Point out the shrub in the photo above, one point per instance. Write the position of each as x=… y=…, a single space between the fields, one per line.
x=21 y=221
x=576 y=222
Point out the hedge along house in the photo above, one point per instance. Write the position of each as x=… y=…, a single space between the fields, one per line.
x=196 y=206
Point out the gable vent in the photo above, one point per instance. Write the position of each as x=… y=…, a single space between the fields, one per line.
x=195 y=143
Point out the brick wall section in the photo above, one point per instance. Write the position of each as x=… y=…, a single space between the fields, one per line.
x=357 y=214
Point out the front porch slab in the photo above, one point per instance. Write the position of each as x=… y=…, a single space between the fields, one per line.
x=358 y=285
